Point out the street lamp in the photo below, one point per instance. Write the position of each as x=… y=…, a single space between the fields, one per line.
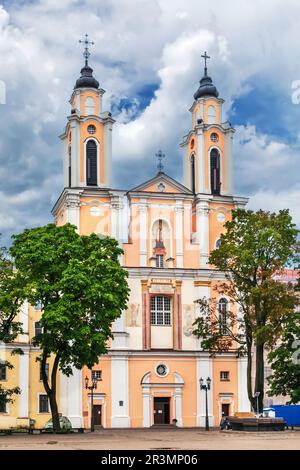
x=91 y=387
x=205 y=387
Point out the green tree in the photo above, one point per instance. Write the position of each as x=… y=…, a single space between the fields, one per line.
x=11 y=299
x=255 y=246
x=285 y=363
x=82 y=289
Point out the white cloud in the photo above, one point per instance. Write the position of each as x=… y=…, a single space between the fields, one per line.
x=137 y=43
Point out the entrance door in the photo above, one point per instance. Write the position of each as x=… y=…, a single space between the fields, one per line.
x=161 y=410
x=97 y=415
x=225 y=409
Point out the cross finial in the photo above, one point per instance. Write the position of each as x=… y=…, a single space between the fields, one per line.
x=205 y=57
x=160 y=156
x=86 y=52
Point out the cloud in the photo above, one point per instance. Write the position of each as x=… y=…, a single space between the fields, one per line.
x=145 y=44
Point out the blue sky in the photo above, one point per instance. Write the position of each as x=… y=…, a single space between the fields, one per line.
x=147 y=56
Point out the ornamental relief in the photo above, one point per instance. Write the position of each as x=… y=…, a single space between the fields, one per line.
x=188 y=318
x=133 y=315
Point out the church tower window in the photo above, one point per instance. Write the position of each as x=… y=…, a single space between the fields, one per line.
x=215 y=171
x=91 y=163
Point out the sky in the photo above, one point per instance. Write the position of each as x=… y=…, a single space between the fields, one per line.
x=147 y=56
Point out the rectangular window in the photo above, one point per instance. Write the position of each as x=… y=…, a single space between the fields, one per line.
x=47 y=371
x=38 y=329
x=160 y=310
x=3 y=407
x=160 y=261
x=43 y=404
x=224 y=375
x=3 y=372
x=96 y=374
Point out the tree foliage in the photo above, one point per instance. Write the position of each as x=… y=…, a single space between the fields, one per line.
x=285 y=363
x=11 y=299
x=82 y=289
x=255 y=247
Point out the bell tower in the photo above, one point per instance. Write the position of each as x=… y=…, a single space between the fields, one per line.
x=87 y=137
x=207 y=149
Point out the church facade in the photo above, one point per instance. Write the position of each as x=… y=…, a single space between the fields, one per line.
x=151 y=373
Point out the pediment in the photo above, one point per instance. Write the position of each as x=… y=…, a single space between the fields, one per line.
x=162 y=183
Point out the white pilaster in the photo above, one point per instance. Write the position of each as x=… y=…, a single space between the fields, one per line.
x=23 y=338
x=186 y=167
x=200 y=182
x=202 y=217
x=146 y=407
x=119 y=392
x=179 y=234
x=75 y=155
x=228 y=160
x=71 y=397
x=143 y=234
x=204 y=370
x=243 y=401
x=73 y=203
x=107 y=147
x=178 y=399
x=23 y=398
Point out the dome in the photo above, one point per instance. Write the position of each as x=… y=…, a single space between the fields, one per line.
x=86 y=80
x=206 y=88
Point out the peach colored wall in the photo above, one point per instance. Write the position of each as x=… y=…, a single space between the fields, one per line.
x=98 y=224
x=186 y=367
x=103 y=387
x=221 y=387
x=216 y=227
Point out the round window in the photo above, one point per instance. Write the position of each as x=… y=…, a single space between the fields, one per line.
x=161 y=370
x=214 y=137
x=91 y=129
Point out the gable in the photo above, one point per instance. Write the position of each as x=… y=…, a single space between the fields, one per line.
x=162 y=183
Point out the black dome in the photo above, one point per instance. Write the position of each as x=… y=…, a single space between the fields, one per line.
x=206 y=88
x=86 y=80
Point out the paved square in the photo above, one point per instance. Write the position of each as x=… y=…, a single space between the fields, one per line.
x=134 y=439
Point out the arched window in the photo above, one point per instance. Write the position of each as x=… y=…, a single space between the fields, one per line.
x=193 y=176
x=91 y=163
x=215 y=171
x=223 y=316
x=89 y=105
x=218 y=243
x=211 y=115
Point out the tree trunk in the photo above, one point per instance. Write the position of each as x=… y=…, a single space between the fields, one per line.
x=54 y=412
x=249 y=374
x=259 y=378
x=51 y=391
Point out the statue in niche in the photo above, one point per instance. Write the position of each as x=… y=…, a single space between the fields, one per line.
x=132 y=314
x=188 y=327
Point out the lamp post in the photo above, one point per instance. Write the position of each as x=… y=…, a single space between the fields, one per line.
x=257 y=406
x=205 y=387
x=91 y=387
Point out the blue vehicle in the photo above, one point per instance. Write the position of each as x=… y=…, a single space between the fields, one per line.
x=290 y=413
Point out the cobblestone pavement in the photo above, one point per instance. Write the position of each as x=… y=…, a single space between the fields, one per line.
x=177 y=439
